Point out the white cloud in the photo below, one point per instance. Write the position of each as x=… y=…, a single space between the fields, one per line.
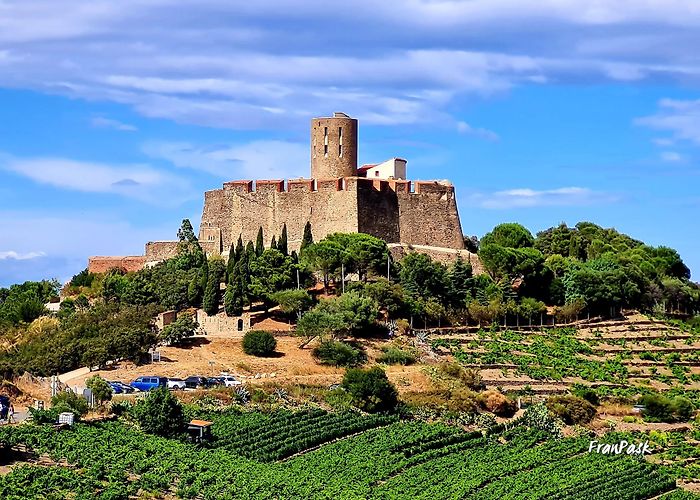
x=102 y=122
x=12 y=255
x=527 y=198
x=465 y=128
x=671 y=157
x=254 y=160
x=256 y=65
x=681 y=118
x=141 y=182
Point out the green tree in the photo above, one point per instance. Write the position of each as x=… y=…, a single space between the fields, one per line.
x=325 y=256
x=282 y=243
x=259 y=243
x=460 y=276
x=269 y=273
x=509 y=235
x=308 y=238
x=293 y=301
x=160 y=413
x=370 y=390
x=212 y=294
x=361 y=253
x=189 y=251
x=70 y=401
x=422 y=277
x=185 y=326
x=101 y=390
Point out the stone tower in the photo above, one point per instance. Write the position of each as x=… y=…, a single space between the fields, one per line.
x=333 y=147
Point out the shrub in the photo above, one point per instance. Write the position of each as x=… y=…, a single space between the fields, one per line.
x=70 y=401
x=571 y=409
x=101 y=390
x=160 y=413
x=470 y=377
x=497 y=403
x=183 y=327
x=336 y=353
x=657 y=407
x=370 y=389
x=682 y=409
x=588 y=394
x=396 y=356
x=259 y=343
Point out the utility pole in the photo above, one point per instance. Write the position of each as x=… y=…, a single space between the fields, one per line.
x=298 y=284
x=388 y=267
x=342 y=272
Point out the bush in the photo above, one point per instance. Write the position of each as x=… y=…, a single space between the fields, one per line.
x=183 y=327
x=160 y=413
x=470 y=377
x=497 y=403
x=70 y=401
x=259 y=343
x=657 y=407
x=101 y=390
x=571 y=409
x=396 y=356
x=370 y=389
x=588 y=394
x=336 y=353
x=682 y=409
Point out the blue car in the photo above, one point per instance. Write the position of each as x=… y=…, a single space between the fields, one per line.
x=147 y=383
x=116 y=387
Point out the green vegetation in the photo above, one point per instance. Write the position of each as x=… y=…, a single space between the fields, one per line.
x=571 y=409
x=370 y=389
x=259 y=343
x=337 y=353
x=160 y=413
x=184 y=327
x=392 y=355
x=101 y=390
x=397 y=460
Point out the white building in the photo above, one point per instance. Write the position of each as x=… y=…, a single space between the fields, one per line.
x=395 y=168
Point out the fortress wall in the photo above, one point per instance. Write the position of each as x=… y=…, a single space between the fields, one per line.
x=429 y=216
x=242 y=207
x=445 y=256
x=160 y=250
x=104 y=264
x=378 y=209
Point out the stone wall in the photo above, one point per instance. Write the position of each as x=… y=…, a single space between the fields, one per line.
x=104 y=264
x=241 y=207
x=388 y=209
x=443 y=255
x=157 y=251
x=220 y=324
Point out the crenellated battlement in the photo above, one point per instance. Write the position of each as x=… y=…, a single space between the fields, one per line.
x=336 y=184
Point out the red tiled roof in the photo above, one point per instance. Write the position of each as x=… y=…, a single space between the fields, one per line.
x=366 y=167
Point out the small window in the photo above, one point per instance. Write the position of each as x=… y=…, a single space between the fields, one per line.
x=325 y=149
x=240 y=325
x=376 y=173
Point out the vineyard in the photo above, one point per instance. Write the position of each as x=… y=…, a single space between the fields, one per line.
x=379 y=458
x=635 y=351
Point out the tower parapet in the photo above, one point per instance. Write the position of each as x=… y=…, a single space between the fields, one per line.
x=333 y=147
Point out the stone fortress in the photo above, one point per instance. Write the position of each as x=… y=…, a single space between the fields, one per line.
x=376 y=199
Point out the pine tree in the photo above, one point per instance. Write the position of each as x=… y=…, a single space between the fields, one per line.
x=282 y=243
x=273 y=243
x=308 y=238
x=460 y=280
x=259 y=243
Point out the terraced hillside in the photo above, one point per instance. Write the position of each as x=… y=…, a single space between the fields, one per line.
x=635 y=351
x=385 y=460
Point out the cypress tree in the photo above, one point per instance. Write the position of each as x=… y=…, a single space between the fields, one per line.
x=250 y=250
x=231 y=261
x=259 y=243
x=282 y=243
x=273 y=243
x=308 y=238
x=239 y=248
x=212 y=293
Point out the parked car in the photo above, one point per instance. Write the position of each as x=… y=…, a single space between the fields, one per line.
x=120 y=387
x=214 y=381
x=176 y=383
x=116 y=387
x=196 y=382
x=149 y=383
x=230 y=380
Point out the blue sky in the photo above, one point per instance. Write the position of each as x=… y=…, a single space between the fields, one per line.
x=115 y=117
